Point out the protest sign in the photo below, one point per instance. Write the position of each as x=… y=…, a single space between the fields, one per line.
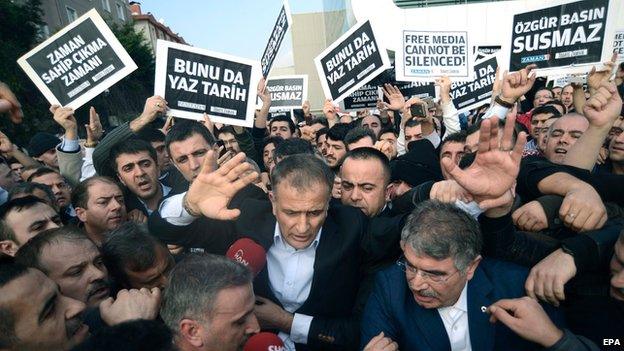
x=618 y=44
x=426 y=55
x=482 y=51
x=469 y=95
x=194 y=81
x=558 y=37
x=350 y=62
x=288 y=92
x=365 y=97
x=283 y=22
x=79 y=62
x=416 y=89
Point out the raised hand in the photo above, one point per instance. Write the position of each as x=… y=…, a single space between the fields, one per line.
x=6 y=146
x=212 y=190
x=264 y=94
x=518 y=83
x=604 y=106
x=306 y=108
x=168 y=124
x=448 y=191
x=396 y=101
x=94 y=128
x=445 y=88
x=596 y=78
x=153 y=106
x=208 y=123
x=64 y=116
x=8 y=100
x=329 y=110
x=496 y=165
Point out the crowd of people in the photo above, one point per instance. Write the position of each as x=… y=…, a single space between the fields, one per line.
x=385 y=229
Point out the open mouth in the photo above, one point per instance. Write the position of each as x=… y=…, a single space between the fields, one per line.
x=561 y=151
x=100 y=292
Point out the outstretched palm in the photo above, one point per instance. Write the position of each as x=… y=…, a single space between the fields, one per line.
x=396 y=101
x=496 y=165
x=211 y=192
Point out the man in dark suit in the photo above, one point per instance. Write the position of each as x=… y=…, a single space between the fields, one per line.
x=309 y=288
x=436 y=296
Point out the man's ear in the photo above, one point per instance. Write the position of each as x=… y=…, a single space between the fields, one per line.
x=388 y=191
x=472 y=267
x=81 y=213
x=273 y=202
x=191 y=331
x=9 y=247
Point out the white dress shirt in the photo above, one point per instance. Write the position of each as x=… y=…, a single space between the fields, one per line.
x=455 y=319
x=172 y=210
x=290 y=276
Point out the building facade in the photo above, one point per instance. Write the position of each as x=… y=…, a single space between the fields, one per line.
x=152 y=29
x=59 y=13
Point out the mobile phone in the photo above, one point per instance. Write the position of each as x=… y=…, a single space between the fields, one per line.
x=418 y=110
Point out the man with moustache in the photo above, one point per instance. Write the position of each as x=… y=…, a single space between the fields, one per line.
x=436 y=295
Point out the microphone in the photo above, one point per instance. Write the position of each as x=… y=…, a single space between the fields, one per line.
x=249 y=253
x=264 y=341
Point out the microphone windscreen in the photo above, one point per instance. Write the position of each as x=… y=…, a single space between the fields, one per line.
x=264 y=342
x=249 y=253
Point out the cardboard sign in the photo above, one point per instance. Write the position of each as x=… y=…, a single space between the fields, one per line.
x=350 y=62
x=469 y=95
x=288 y=92
x=365 y=97
x=416 y=89
x=559 y=36
x=426 y=55
x=283 y=22
x=194 y=81
x=79 y=62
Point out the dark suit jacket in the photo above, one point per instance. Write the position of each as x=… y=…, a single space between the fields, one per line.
x=392 y=309
x=342 y=251
x=210 y=235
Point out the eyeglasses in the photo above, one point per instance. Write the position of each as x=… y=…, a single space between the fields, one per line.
x=413 y=271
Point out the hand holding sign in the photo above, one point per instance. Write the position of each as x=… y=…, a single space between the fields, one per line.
x=9 y=101
x=64 y=116
x=518 y=83
x=263 y=94
x=445 y=88
x=153 y=106
x=595 y=78
x=329 y=110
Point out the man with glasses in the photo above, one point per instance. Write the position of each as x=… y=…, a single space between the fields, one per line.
x=436 y=296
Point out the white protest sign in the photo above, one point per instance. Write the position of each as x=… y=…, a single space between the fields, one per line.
x=194 y=81
x=351 y=61
x=77 y=63
x=618 y=44
x=427 y=55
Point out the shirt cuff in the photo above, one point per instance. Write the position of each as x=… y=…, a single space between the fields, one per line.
x=68 y=145
x=300 y=328
x=172 y=211
x=498 y=111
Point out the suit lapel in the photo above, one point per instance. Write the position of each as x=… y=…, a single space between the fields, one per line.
x=428 y=322
x=482 y=332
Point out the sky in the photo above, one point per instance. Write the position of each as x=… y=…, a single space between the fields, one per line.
x=235 y=27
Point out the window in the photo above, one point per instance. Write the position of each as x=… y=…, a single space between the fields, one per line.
x=121 y=11
x=106 y=5
x=44 y=32
x=71 y=14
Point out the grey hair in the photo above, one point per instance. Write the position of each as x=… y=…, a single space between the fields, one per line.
x=441 y=230
x=194 y=284
x=302 y=171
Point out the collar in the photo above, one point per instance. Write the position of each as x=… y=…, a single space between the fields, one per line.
x=461 y=304
x=165 y=191
x=280 y=242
